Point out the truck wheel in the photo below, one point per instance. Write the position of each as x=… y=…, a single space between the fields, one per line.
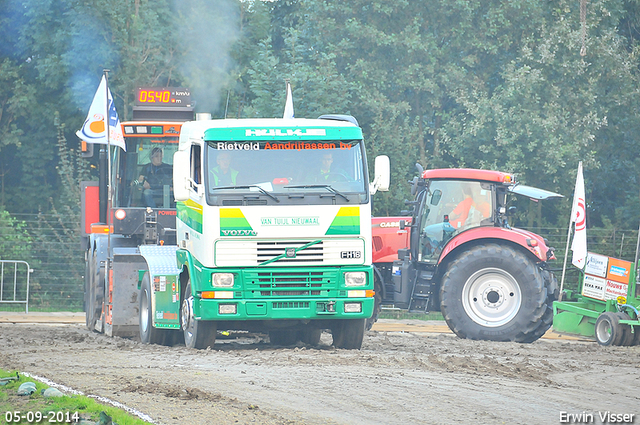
x=94 y=291
x=148 y=334
x=348 y=333
x=608 y=330
x=197 y=333
x=283 y=337
x=310 y=336
x=494 y=292
x=377 y=304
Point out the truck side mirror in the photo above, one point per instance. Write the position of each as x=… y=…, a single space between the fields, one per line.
x=402 y=225
x=181 y=173
x=382 y=173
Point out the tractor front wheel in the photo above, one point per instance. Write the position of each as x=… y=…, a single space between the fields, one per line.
x=495 y=292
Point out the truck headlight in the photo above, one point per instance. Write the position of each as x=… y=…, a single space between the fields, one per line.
x=223 y=280
x=355 y=278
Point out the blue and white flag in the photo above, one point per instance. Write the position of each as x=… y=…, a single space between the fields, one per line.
x=288 y=106
x=94 y=129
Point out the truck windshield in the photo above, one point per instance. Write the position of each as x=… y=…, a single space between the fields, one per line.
x=146 y=172
x=450 y=207
x=294 y=172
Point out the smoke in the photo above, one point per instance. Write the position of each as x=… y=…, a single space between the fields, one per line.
x=207 y=31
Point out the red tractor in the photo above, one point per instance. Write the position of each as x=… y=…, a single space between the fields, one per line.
x=458 y=254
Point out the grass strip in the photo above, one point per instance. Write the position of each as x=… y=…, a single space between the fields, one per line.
x=36 y=408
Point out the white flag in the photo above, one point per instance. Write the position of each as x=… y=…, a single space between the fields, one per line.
x=94 y=129
x=288 y=106
x=579 y=217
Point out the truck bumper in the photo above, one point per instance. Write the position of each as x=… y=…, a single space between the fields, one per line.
x=284 y=293
x=286 y=308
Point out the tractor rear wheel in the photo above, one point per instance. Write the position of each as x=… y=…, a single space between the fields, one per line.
x=497 y=293
x=551 y=285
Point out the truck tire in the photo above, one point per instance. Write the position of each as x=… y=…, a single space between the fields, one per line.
x=197 y=333
x=494 y=292
x=348 y=333
x=377 y=304
x=608 y=330
x=310 y=336
x=283 y=337
x=148 y=334
x=94 y=290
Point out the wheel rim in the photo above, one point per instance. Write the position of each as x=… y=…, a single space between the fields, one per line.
x=604 y=331
x=144 y=312
x=491 y=297
x=186 y=318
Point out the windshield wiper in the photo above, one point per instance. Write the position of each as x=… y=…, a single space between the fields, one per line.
x=324 y=186
x=249 y=186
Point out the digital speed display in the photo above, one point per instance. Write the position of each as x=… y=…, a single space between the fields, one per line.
x=163 y=96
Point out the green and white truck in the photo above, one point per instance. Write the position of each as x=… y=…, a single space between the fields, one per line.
x=273 y=234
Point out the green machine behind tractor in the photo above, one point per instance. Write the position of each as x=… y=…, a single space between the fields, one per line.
x=606 y=304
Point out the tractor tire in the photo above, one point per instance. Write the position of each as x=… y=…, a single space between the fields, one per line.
x=551 y=285
x=608 y=330
x=627 y=334
x=283 y=337
x=197 y=333
x=377 y=304
x=497 y=293
x=348 y=333
x=148 y=334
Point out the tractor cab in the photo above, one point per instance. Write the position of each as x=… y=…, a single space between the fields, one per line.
x=451 y=201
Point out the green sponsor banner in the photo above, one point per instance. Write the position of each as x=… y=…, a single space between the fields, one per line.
x=282 y=133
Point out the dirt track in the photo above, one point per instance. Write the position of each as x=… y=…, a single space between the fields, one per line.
x=397 y=378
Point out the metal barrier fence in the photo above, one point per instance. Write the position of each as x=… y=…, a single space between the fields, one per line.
x=19 y=290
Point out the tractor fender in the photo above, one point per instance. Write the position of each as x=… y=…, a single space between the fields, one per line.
x=530 y=243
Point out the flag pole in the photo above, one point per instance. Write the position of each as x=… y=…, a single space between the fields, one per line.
x=564 y=265
x=105 y=72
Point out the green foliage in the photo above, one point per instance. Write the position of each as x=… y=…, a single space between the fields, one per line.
x=15 y=240
x=450 y=83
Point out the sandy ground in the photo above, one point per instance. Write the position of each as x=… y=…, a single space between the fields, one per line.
x=397 y=378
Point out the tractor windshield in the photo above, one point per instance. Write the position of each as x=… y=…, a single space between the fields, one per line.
x=450 y=207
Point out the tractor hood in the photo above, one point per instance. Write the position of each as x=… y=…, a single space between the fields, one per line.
x=533 y=192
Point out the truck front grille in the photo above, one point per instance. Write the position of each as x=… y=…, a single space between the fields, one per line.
x=271 y=253
x=290 y=284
